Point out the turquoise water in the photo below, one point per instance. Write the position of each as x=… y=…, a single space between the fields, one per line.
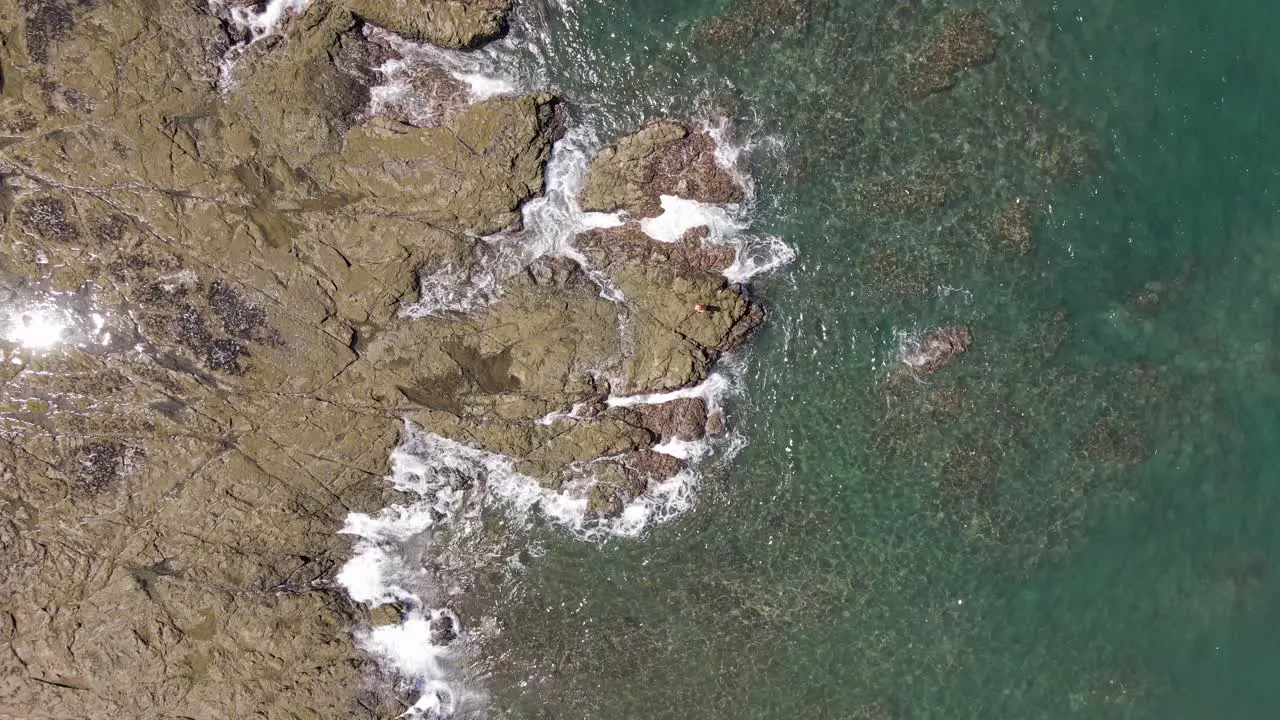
x=1077 y=518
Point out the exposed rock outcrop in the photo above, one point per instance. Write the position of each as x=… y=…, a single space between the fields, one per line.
x=448 y=23
x=665 y=158
x=681 y=419
x=192 y=282
x=202 y=364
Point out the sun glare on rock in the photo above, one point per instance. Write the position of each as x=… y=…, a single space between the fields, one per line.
x=35 y=329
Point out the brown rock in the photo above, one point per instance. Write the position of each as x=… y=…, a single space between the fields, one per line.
x=408 y=89
x=613 y=488
x=665 y=158
x=470 y=177
x=233 y=372
x=448 y=23
x=935 y=349
x=756 y=17
x=683 y=419
x=606 y=247
x=176 y=487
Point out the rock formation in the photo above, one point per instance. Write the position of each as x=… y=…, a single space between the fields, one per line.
x=448 y=23
x=935 y=349
x=964 y=39
x=665 y=158
x=1013 y=225
x=203 y=369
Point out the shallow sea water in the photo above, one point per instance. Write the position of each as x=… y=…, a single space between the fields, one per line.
x=1077 y=519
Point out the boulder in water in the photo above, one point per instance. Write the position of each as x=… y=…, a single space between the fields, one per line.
x=935 y=349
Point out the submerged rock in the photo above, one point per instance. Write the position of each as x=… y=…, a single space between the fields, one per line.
x=902 y=196
x=1013 y=225
x=965 y=39
x=756 y=17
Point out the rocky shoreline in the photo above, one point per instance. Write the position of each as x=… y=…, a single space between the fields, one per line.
x=210 y=232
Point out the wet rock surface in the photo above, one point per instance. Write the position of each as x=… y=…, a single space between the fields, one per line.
x=665 y=158
x=682 y=419
x=204 y=368
x=448 y=23
x=936 y=349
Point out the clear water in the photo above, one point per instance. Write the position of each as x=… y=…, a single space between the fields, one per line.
x=1078 y=518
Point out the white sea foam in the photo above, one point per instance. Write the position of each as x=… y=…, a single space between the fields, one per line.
x=680 y=215
x=482 y=71
x=710 y=390
x=257 y=24
x=452 y=484
x=683 y=449
x=729 y=153
x=759 y=256
x=263 y=23
x=550 y=222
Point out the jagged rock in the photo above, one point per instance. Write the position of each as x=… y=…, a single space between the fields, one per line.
x=671 y=344
x=448 y=23
x=216 y=252
x=582 y=442
x=385 y=615
x=964 y=39
x=621 y=481
x=682 y=419
x=404 y=85
x=605 y=247
x=665 y=158
x=935 y=349
x=613 y=488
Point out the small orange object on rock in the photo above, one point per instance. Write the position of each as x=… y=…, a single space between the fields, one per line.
x=700 y=308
